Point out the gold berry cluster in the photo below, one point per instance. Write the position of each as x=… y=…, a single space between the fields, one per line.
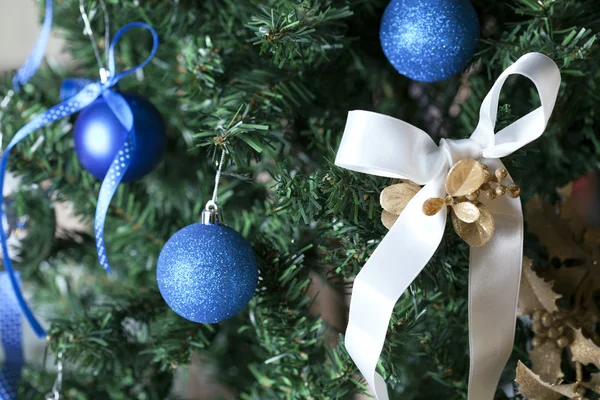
x=549 y=327
x=494 y=186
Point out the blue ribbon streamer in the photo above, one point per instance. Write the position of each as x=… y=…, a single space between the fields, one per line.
x=33 y=61
x=69 y=106
x=10 y=313
x=12 y=338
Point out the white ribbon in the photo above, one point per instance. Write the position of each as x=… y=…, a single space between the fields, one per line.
x=380 y=145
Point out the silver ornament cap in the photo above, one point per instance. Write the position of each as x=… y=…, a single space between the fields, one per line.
x=211 y=215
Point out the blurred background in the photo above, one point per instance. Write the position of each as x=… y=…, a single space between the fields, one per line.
x=19 y=29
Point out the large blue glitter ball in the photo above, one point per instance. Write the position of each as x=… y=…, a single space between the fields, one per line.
x=98 y=136
x=207 y=273
x=429 y=40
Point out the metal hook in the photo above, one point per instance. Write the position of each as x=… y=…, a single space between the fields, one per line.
x=55 y=394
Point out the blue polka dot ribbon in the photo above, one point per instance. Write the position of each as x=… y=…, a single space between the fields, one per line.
x=10 y=312
x=82 y=93
x=12 y=334
x=33 y=61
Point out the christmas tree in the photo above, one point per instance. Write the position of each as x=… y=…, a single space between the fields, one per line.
x=270 y=83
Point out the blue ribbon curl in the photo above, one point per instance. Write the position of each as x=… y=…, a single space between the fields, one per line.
x=12 y=342
x=11 y=330
x=87 y=92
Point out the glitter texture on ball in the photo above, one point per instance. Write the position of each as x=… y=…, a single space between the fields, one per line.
x=207 y=273
x=429 y=40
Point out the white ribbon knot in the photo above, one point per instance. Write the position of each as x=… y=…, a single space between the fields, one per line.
x=460 y=149
x=381 y=145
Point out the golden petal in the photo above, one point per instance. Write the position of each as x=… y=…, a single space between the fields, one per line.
x=466 y=212
x=465 y=177
x=388 y=219
x=394 y=198
x=584 y=350
x=478 y=233
x=546 y=361
x=433 y=206
x=534 y=388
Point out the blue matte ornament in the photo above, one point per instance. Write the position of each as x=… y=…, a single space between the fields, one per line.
x=98 y=136
x=207 y=272
x=429 y=40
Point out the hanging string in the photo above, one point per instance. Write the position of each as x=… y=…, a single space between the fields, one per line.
x=55 y=394
x=218 y=177
x=104 y=75
x=106 y=29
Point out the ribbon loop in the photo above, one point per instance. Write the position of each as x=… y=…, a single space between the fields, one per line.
x=114 y=77
x=380 y=145
x=384 y=146
x=544 y=74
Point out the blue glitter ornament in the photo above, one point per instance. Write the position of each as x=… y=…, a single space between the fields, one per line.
x=429 y=40
x=207 y=272
x=98 y=136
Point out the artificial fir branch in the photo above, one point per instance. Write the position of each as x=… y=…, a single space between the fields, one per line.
x=299 y=32
x=278 y=103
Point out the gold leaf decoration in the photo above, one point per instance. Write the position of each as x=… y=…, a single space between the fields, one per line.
x=533 y=388
x=593 y=383
x=583 y=350
x=545 y=361
x=433 y=206
x=394 y=198
x=388 y=219
x=544 y=222
x=536 y=294
x=465 y=177
x=566 y=280
x=480 y=232
x=572 y=325
x=466 y=212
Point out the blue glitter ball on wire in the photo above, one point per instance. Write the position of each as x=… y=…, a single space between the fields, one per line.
x=207 y=273
x=98 y=136
x=429 y=40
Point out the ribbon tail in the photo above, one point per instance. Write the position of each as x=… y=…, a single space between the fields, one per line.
x=33 y=61
x=494 y=280
x=62 y=110
x=71 y=86
x=11 y=332
x=115 y=173
x=396 y=262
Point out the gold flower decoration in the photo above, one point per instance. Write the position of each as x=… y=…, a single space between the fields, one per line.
x=466 y=181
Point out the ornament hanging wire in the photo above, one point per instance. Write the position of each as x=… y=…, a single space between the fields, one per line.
x=55 y=394
x=104 y=74
x=211 y=214
x=218 y=177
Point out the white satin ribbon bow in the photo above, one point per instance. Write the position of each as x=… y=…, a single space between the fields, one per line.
x=380 y=145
